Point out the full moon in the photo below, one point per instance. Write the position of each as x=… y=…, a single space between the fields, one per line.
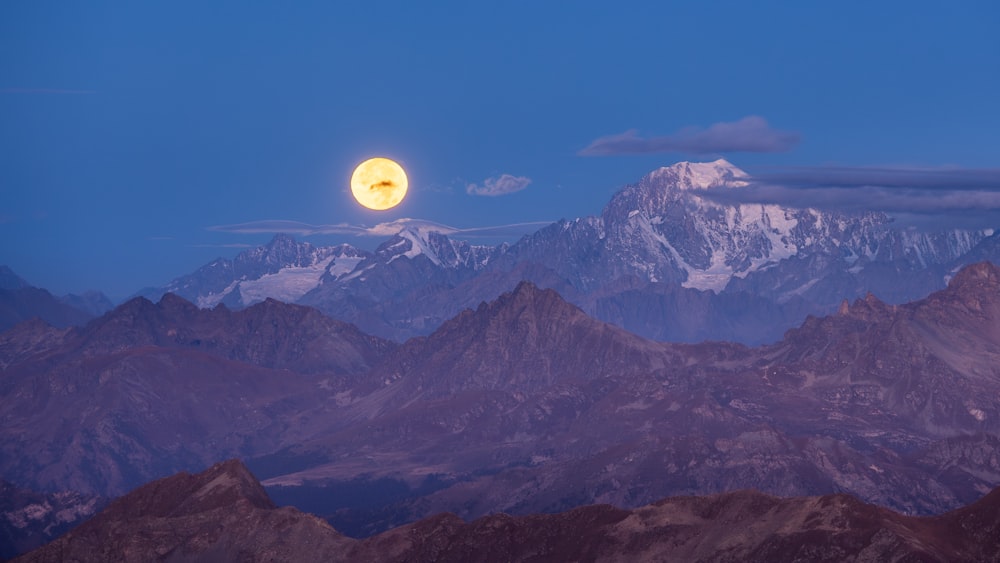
x=379 y=183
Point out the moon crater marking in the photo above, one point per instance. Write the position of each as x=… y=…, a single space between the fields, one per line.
x=379 y=183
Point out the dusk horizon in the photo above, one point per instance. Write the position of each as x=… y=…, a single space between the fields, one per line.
x=529 y=281
x=132 y=131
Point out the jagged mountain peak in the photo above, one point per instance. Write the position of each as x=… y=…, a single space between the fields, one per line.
x=528 y=311
x=10 y=280
x=132 y=306
x=297 y=314
x=698 y=175
x=240 y=523
x=184 y=494
x=542 y=306
x=220 y=514
x=945 y=343
x=664 y=233
x=443 y=252
x=173 y=301
x=283 y=268
x=169 y=304
x=281 y=239
x=526 y=339
x=978 y=283
x=282 y=249
x=271 y=333
x=979 y=276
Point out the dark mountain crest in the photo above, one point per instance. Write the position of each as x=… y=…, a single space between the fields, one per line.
x=395 y=245
x=220 y=514
x=869 y=308
x=524 y=296
x=219 y=486
x=526 y=312
x=223 y=513
x=270 y=334
x=20 y=301
x=976 y=283
x=10 y=280
x=763 y=268
x=171 y=306
x=981 y=277
x=226 y=280
x=136 y=304
x=91 y=301
x=524 y=341
x=280 y=249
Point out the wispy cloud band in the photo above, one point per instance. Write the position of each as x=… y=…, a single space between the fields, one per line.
x=379 y=230
x=59 y=91
x=938 y=197
x=750 y=134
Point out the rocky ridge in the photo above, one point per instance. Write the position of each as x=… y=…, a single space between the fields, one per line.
x=149 y=389
x=521 y=405
x=664 y=259
x=222 y=514
x=20 y=301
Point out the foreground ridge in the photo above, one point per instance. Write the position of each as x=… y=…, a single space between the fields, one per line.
x=223 y=514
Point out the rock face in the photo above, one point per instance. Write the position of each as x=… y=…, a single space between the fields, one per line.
x=20 y=301
x=150 y=389
x=223 y=514
x=10 y=280
x=29 y=519
x=527 y=405
x=283 y=269
x=93 y=302
x=665 y=260
x=524 y=341
x=269 y=334
x=521 y=405
x=26 y=303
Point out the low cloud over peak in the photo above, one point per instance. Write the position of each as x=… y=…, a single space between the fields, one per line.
x=750 y=134
x=381 y=229
x=499 y=185
x=934 y=198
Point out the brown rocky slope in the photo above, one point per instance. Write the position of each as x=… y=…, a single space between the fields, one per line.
x=223 y=514
x=518 y=406
x=523 y=405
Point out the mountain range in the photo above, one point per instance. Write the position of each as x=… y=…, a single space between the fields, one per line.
x=223 y=514
x=673 y=345
x=21 y=301
x=524 y=404
x=665 y=260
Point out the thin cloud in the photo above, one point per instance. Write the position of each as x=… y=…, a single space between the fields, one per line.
x=931 y=198
x=379 y=230
x=917 y=178
x=58 y=91
x=750 y=134
x=233 y=245
x=499 y=185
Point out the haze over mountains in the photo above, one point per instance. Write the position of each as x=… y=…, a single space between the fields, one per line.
x=21 y=301
x=522 y=405
x=663 y=260
x=223 y=514
x=435 y=376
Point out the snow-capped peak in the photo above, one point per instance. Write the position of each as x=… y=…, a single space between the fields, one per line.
x=700 y=175
x=419 y=244
x=436 y=247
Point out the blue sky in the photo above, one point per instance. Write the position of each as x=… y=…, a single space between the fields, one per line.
x=128 y=129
